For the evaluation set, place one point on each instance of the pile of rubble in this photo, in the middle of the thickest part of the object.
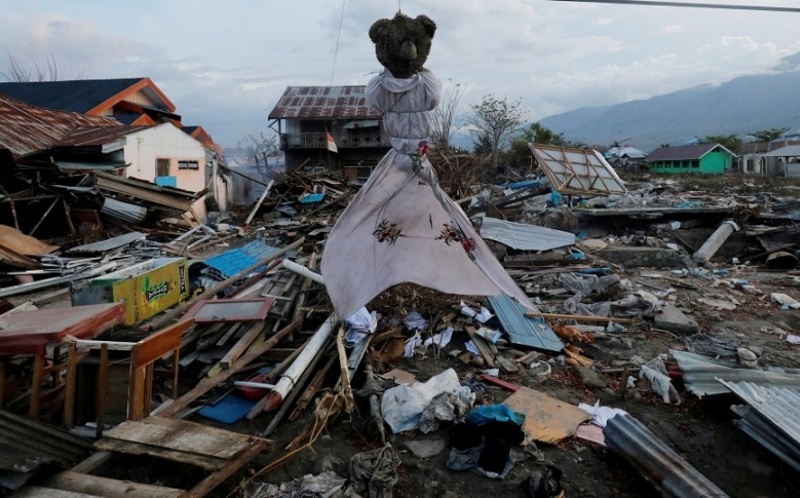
(193, 340)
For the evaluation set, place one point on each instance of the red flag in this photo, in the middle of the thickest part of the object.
(331, 144)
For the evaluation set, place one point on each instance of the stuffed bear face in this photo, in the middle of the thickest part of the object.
(402, 44)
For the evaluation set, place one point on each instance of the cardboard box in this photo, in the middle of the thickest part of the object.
(146, 288)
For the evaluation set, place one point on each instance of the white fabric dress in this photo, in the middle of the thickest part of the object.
(401, 227)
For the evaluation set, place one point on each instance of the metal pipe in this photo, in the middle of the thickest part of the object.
(302, 270)
(656, 461)
(292, 374)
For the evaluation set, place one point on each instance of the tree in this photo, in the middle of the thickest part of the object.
(769, 135)
(19, 72)
(494, 120)
(443, 125)
(519, 153)
(730, 142)
(260, 147)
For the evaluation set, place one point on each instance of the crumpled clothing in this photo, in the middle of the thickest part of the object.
(494, 413)
(460, 460)
(376, 471)
(447, 407)
(325, 485)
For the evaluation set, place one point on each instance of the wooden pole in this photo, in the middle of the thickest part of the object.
(579, 318)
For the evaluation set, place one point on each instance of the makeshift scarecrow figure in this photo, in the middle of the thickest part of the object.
(401, 227)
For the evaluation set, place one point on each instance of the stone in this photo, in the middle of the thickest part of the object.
(674, 320)
(425, 448)
(589, 377)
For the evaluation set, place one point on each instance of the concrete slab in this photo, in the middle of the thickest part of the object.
(674, 320)
(643, 257)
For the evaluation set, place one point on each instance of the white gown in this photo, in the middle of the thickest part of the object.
(401, 227)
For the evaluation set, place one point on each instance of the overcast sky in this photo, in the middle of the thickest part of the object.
(225, 63)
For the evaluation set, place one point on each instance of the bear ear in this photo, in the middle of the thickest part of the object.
(428, 24)
(377, 29)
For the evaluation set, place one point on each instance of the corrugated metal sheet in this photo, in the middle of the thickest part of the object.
(656, 461)
(68, 166)
(26, 444)
(778, 408)
(524, 237)
(26, 129)
(323, 102)
(577, 169)
(132, 213)
(700, 374)
(790, 151)
(109, 244)
(88, 136)
(523, 330)
(233, 261)
(760, 429)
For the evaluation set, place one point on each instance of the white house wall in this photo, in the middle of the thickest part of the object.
(165, 141)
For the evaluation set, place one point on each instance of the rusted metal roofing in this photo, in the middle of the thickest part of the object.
(660, 464)
(323, 102)
(97, 135)
(26, 129)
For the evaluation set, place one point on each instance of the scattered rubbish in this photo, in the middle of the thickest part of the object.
(785, 301)
(544, 483)
(547, 419)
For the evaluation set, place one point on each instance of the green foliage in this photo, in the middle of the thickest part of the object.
(493, 121)
(730, 142)
(769, 135)
(519, 152)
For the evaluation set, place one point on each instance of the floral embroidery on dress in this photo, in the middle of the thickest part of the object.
(453, 234)
(420, 156)
(387, 232)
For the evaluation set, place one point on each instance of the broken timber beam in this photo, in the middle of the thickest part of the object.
(206, 385)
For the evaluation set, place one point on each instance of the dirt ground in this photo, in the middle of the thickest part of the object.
(701, 431)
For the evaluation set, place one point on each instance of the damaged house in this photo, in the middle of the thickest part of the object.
(310, 117)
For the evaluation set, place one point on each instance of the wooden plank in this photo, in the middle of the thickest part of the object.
(207, 384)
(102, 391)
(36, 387)
(157, 345)
(227, 335)
(580, 318)
(209, 483)
(69, 390)
(92, 462)
(180, 435)
(109, 488)
(119, 446)
(42, 492)
(242, 344)
(481, 345)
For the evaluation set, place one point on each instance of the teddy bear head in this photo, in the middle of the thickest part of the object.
(402, 44)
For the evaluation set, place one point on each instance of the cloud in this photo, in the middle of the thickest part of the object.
(672, 29)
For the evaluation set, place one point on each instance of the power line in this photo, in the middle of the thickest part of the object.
(696, 5)
(339, 35)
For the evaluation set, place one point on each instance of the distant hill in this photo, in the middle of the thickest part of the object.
(740, 106)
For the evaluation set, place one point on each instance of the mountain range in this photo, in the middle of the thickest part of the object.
(737, 107)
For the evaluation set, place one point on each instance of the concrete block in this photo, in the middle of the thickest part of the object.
(674, 320)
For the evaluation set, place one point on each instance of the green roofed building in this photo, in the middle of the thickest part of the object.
(709, 159)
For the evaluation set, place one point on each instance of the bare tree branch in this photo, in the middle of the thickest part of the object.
(443, 125)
